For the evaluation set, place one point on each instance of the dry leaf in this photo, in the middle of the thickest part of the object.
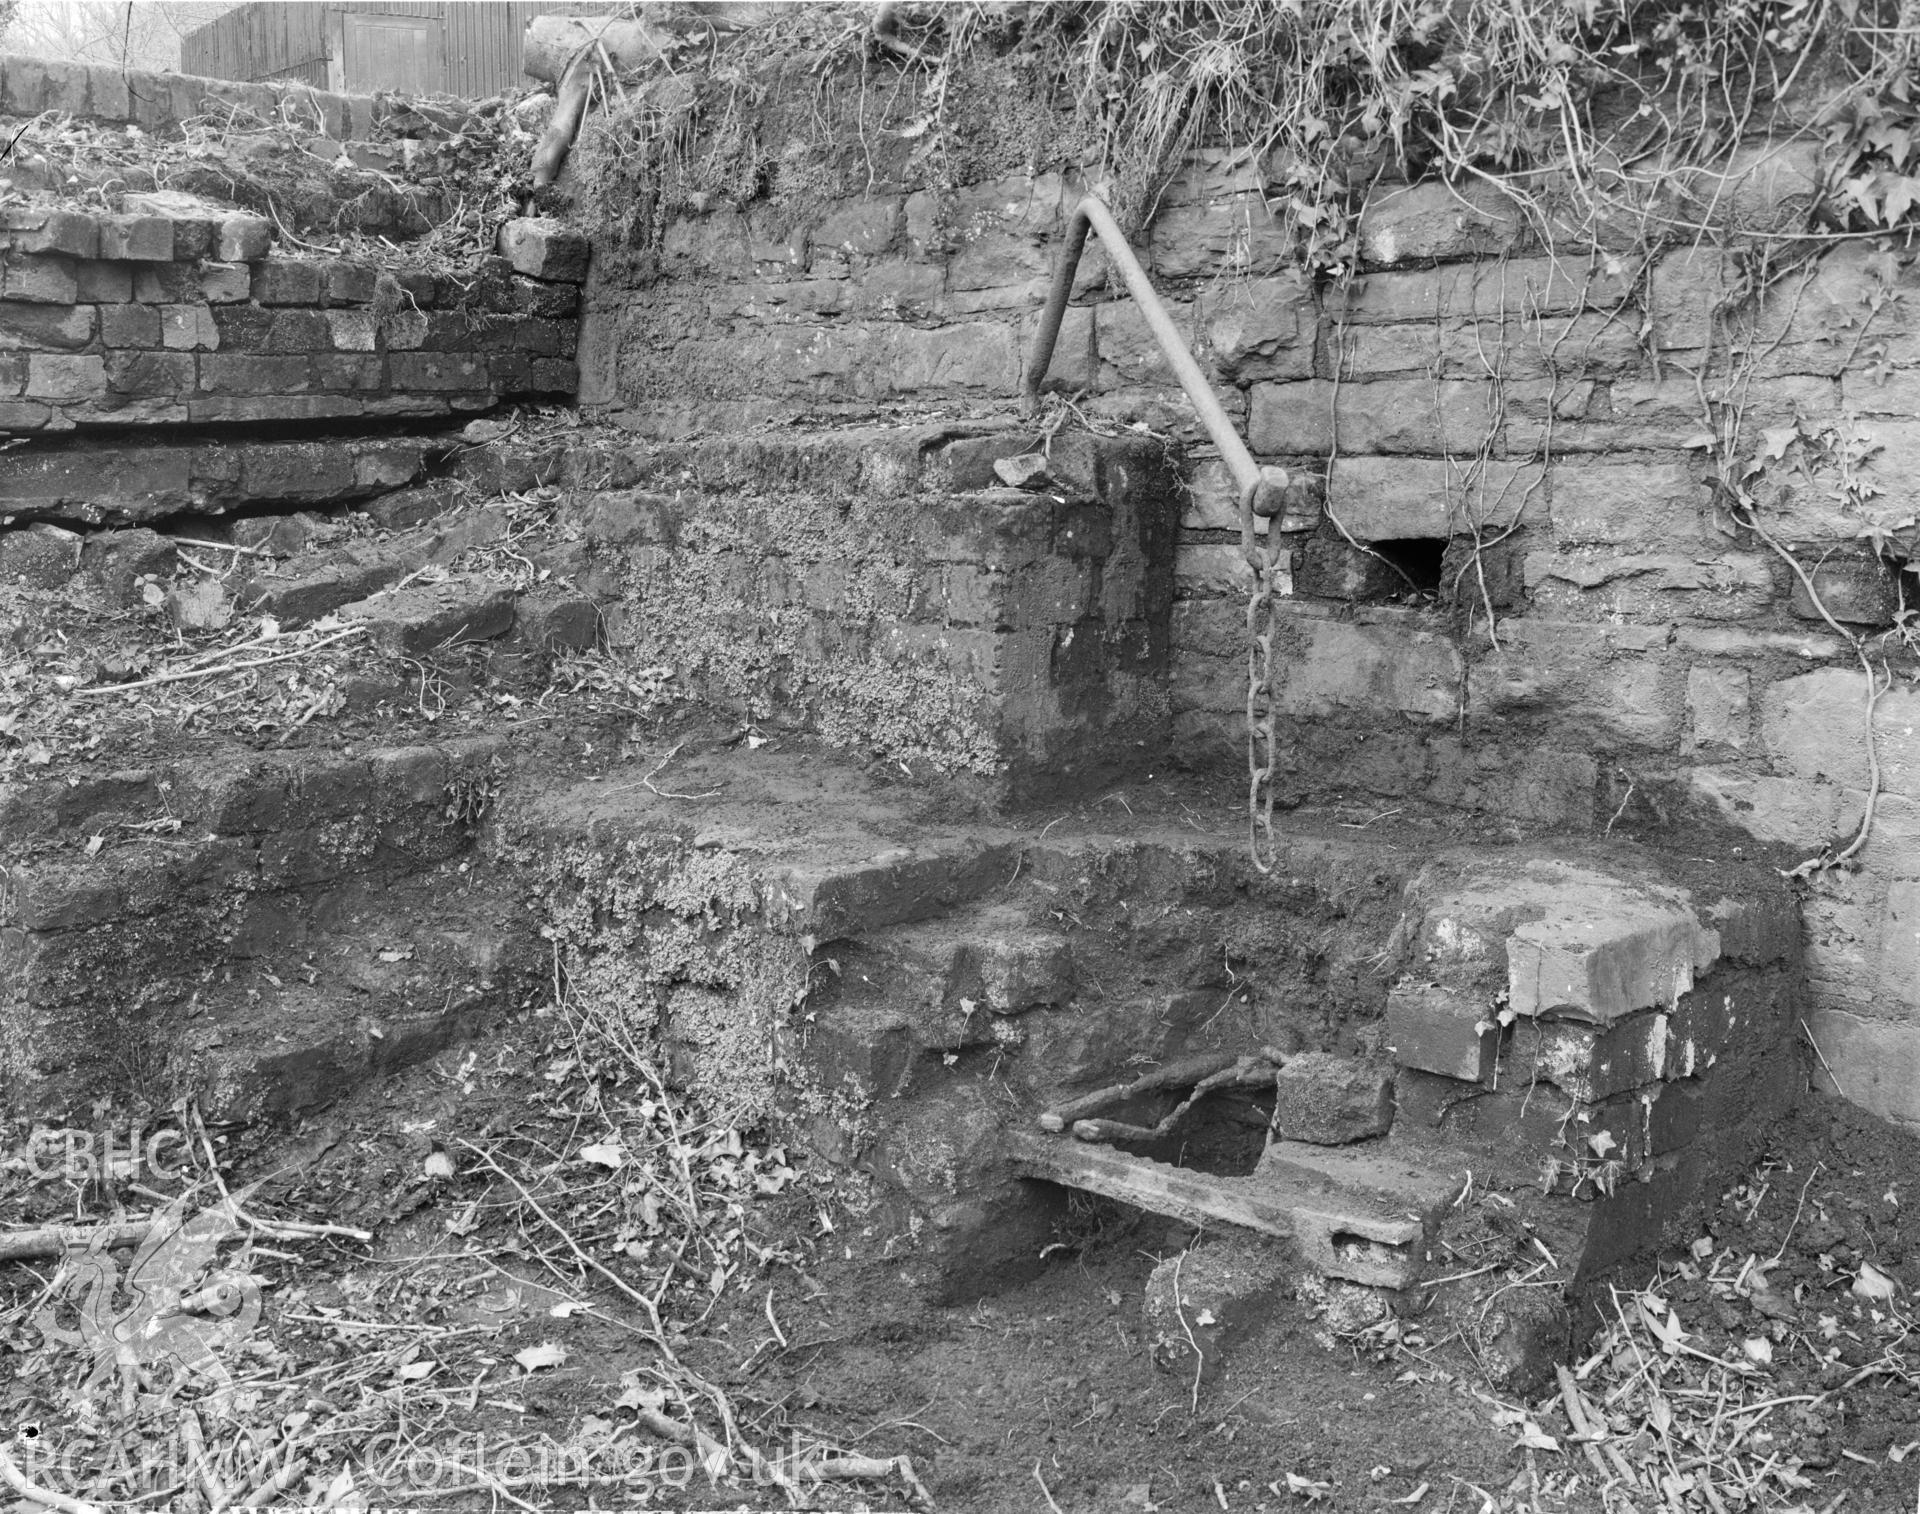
(609, 1154)
(1759, 1349)
(439, 1165)
(546, 1354)
(1872, 1283)
(414, 1371)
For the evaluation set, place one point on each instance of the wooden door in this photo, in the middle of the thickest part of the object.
(404, 53)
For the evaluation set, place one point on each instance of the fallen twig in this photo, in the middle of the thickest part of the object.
(57, 1240)
(218, 668)
(14, 1478)
(875, 1469)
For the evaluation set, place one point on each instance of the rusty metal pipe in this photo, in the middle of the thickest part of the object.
(1259, 486)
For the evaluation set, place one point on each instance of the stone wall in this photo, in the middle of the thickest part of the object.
(174, 312)
(157, 102)
(886, 589)
(1523, 593)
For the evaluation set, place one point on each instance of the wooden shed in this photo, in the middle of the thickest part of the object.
(469, 48)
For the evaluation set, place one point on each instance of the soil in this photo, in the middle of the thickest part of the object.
(1046, 1396)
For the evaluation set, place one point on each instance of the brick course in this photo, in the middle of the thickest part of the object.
(170, 320)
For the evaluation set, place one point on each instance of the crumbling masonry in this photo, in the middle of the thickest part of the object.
(949, 832)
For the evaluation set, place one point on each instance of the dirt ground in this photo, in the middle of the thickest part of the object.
(568, 1267)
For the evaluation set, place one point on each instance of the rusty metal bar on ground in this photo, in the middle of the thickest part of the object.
(1092, 214)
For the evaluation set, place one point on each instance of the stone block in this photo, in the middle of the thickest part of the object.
(286, 281)
(1432, 223)
(1259, 330)
(202, 606)
(623, 516)
(552, 375)
(40, 280)
(1234, 234)
(1478, 290)
(23, 86)
(349, 283)
(553, 620)
(118, 560)
(1329, 567)
(1211, 569)
(406, 508)
(419, 621)
(42, 328)
(1433, 1028)
(294, 601)
(1854, 588)
(1396, 499)
(165, 283)
(243, 239)
(1330, 1100)
(1814, 726)
(1899, 964)
(437, 371)
(352, 330)
(1329, 666)
(1688, 290)
(1602, 954)
(24, 415)
(1445, 418)
(1874, 1062)
(1211, 1297)
(103, 283)
(194, 238)
(542, 247)
(1622, 585)
(151, 375)
(225, 283)
(547, 301)
(234, 374)
(1719, 708)
(1622, 504)
(129, 325)
(296, 471)
(1292, 418)
(188, 328)
(1590, 1062)
(70, 233)
(65, 378)
(43, 556)
(136, 239)
(299, 331)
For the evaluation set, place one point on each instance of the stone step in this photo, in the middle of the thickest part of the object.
(310, 584)
(266, 1002)
(402, 971)
(227, 791)
(135, 483)
(1363, 1218)
(833, 851)
(428, 618)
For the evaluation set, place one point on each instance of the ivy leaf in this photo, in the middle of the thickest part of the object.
(1777, 439)
(1902, 194)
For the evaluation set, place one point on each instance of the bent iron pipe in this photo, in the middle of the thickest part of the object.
(1259, 487)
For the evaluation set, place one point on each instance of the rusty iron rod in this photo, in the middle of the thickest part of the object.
(1092, 214)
